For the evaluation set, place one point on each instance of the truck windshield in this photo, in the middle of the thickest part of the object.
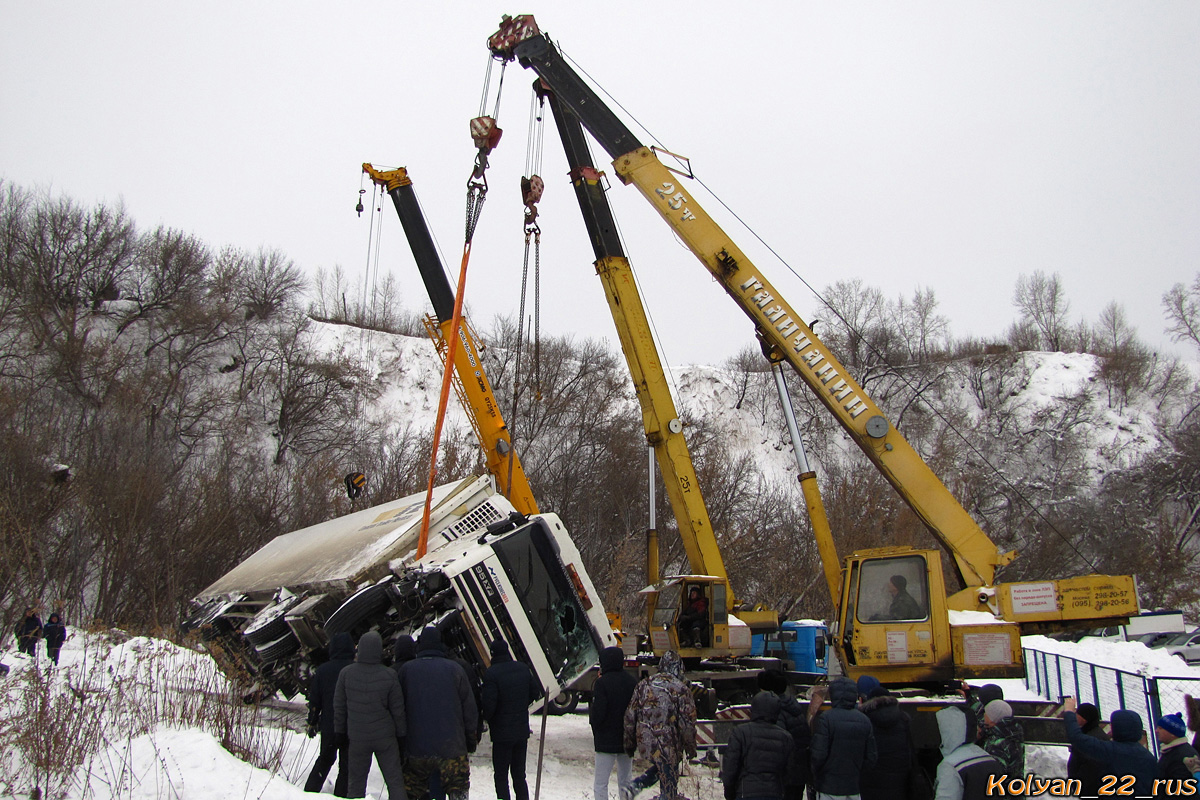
(549, 600)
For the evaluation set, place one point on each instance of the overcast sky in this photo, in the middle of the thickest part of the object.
(949, 145)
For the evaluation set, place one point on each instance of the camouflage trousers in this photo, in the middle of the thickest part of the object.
(455, 774)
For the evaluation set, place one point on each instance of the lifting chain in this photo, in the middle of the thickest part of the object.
(486, 135)
(532, 187)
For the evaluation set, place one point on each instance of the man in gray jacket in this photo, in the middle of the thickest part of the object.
(368, 706)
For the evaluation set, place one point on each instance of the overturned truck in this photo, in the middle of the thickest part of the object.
(489, 573)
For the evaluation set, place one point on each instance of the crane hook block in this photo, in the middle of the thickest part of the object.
(485, 133)
(531, 190)
(513, 31)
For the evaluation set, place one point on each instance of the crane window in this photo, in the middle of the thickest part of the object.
(893, 589)
(667, 606)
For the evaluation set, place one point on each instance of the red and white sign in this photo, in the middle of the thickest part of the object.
(986, 648)
(1033, 598)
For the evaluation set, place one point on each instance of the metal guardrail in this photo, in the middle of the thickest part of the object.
(1053, 675)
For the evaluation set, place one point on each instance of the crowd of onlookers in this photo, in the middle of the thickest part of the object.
(422, 716)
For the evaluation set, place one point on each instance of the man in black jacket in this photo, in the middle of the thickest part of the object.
(1088, 771)
(320, 717)
(837, 770)
(509, 688)
(29, 630)
(889, 778)
(793, 718)
(442, 719)
(55, 632)
(1124, 755)
(606, 713)
(755, 761)
(369, 709)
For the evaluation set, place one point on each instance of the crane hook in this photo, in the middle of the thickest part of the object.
(359, 207)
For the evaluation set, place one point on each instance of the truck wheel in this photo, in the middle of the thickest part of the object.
(564, 703)
(269, 632)
(360, 605)
(273, 651)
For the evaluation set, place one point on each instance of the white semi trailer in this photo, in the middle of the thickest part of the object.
(490, 573)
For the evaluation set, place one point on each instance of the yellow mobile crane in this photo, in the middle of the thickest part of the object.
(474, 390)
(894, 613)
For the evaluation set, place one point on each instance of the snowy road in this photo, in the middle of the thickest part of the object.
(566, 768)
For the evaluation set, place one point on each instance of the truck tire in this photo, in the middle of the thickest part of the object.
(273, 651)
(360, 605)
(564, 703)
(269, 632)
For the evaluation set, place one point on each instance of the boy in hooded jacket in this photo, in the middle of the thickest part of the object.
(611, 694)
(55, 631)
(965, 769)
(368, 708)
(755, 761)
(320, 717)
(509, 688)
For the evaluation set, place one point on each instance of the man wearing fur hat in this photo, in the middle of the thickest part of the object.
(1170, 730)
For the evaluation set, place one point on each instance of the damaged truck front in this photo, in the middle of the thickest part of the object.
(490, 573)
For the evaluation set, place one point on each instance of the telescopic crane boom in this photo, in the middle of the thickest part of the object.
(664, 432)
(475, 391)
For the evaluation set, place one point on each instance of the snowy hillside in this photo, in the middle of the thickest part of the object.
(745, 409)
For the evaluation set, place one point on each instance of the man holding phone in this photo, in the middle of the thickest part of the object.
(1124, 757)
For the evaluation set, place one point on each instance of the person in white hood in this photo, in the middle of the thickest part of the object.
(966, 767)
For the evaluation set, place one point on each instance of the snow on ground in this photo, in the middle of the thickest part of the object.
(1128, 656)
(173, 760)
(138, 758)
(186, 762)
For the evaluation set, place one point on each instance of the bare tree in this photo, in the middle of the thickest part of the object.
(314, 398)
(858, 315)
(924, 333)
(1125, 361)
(1182, 305)
(745, 365)
(1042, 301)
(267, 281)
